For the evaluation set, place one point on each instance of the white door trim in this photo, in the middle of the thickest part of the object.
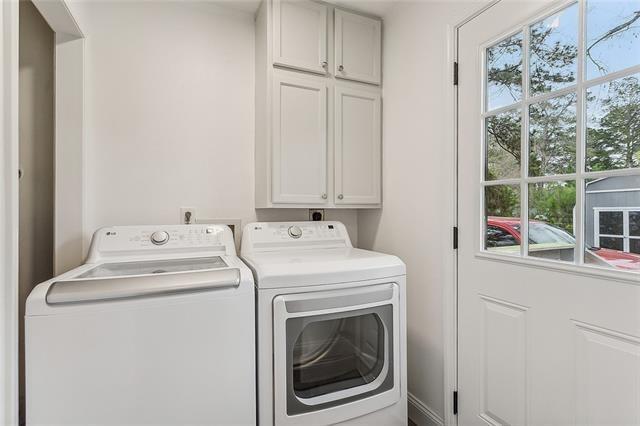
(450, 290)
(69, 233)
(9, 214)
(69, 138)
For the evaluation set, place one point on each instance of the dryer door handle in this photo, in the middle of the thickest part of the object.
(101, 289)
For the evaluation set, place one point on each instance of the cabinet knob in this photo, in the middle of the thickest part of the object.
(340, 196)
(340, 68)
(324, 196)
(324, 64)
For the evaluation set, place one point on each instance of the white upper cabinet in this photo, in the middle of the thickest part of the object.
(299, 169)
(358, 47)
(317, 133)
(357, 146)
(300, 35)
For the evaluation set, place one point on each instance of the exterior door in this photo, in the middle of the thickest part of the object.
(300, 35)
(299, 140)
(357, 146)
(357, 47)
(548, 325)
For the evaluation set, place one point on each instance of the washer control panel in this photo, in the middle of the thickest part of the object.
(270, 235)
(162, 238)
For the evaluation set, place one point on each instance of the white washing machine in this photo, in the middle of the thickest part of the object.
(156, 328)
(331, 327)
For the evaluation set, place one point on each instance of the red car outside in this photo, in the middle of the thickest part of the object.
(504, 232)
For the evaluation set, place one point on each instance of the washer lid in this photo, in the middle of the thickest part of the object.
(297, 268)
(159, 266)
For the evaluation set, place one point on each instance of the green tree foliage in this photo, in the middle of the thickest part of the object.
(553, 202)
(502, 200)
(613, 134)
(552, 62)
(552, 136)
(503, 146)
(504, 66)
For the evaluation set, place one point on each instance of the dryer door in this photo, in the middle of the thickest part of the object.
(336, 353)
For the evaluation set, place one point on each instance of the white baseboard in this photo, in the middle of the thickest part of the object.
(422, 415)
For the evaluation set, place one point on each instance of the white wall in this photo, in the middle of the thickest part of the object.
(415, 220)
(170, 113)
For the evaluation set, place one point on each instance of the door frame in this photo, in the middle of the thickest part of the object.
(450, 290)
(69, 235)
(68, 140)
(9, 214)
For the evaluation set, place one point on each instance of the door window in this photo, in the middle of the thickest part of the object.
(561, 136)
(338, 354)
(333, 359)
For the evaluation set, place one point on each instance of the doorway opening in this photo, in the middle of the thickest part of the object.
(36, 161)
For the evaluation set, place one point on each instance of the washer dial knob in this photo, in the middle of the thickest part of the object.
(159, 238)
(295, 231)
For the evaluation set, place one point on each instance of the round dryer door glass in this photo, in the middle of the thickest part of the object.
(338, 354)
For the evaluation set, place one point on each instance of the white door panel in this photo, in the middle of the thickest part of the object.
(597, 402)
(503, 361)
(358, 43)
(537, 344)
(357, 146)
(299, 140)
(300, 35)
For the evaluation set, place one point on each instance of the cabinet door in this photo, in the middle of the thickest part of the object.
(358, 46)
(357, 147)
(299, 169)
(300, 35)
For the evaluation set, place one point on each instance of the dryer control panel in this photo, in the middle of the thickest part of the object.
(271, 236)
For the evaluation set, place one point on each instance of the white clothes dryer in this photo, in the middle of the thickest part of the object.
(156, 328)
(331, 327)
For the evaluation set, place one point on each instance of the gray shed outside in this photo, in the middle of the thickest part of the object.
(618, 191)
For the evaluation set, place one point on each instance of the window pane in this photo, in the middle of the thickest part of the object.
(551, 220)
(502, 218)
(552, 136)
(504, 72)
(613, 124)
(634, 246)
(634, 222)
(503, 146)
(613, 36)
(553, 51)
(616, 194)
(611, 223)
(612, 243)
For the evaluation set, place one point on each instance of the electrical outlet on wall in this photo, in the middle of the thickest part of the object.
(316, 214)
(187, 215)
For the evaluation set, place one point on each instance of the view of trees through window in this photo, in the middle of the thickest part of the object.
(579, 97)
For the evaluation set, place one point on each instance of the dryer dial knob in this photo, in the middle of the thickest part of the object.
(295, 231)
(159, 238)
